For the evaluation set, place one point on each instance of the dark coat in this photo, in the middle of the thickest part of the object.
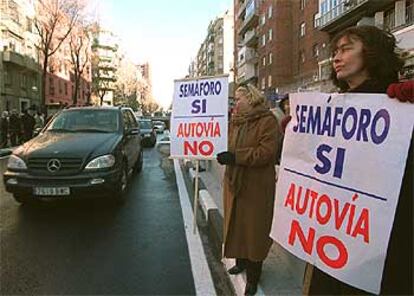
(398, 270)
(15, 123)
(4, 125)
(248, 209)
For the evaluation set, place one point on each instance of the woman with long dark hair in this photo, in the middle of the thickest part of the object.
(367, 60)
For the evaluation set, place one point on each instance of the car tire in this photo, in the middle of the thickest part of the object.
(119, 194)
(140, 163)
(21, 199)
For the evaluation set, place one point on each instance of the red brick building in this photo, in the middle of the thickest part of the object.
(60, 90)
(283, 44)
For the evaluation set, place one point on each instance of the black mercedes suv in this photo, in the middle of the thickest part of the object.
(85, 151)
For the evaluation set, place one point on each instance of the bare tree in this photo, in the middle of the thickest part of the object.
(54, 22)
(126, 85)
(79, 55)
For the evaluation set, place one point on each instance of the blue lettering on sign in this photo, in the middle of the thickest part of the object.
(322, 154)
(198, 89)
(350, 123)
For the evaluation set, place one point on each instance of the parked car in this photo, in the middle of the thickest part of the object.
(89, 150)
(148, 134)
(159, 126)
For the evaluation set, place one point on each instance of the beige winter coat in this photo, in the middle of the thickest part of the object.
(249, 185)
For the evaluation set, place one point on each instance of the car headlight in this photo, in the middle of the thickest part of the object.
(16, 163)
(101, 162)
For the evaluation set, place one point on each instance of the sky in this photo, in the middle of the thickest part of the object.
(166, 33)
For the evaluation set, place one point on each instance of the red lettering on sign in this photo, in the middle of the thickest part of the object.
(296, 230)
(204, 148)
(342, 251)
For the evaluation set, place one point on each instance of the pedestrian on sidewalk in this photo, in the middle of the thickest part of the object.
(28, 123)
(366, 60)
(249, 184)
(39, 120)
(4, 129)
(14, 127)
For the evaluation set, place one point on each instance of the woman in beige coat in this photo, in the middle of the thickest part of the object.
(249, 184)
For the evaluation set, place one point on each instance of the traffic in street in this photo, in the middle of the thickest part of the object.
(97, 246)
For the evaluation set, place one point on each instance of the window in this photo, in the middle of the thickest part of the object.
(263, 83)
(60, 87)
(302, 4)
(270, 58)
(262, 20)
(315, 20)
(7, 78)
(315, 50)
(270, 35)
(264, 61)
(302, 29)
(51, 87)
(302, 56)
(269, 12)
(66, 88)
(29, 26)
(269, 81)
(264, 40)
(23, 81)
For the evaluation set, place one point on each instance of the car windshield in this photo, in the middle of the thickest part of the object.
(145, 124)
(88, 120)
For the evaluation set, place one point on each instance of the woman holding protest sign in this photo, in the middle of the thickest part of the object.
(249, 184)
(366, 60)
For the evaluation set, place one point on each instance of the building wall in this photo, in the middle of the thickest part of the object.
(228, 45)
(19, 56)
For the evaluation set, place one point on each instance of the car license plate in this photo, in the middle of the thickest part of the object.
(52, 191)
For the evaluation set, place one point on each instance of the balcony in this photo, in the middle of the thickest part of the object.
(242, 9)
(391, 24)
(251, 18)
(348, 13)
(247, 55)
(246, 73)
(250, 38)
(20, 60)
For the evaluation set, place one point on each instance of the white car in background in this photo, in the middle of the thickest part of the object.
(159, 126)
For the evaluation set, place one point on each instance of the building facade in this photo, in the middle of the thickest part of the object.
(215, 55)
(396, 16)
(19, 56)
(105, 61)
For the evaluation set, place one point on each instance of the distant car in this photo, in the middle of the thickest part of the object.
(148, 134)
(81, 152)
(159, 126)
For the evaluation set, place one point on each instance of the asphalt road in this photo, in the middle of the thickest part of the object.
(95, 247)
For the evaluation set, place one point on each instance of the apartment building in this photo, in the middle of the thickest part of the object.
(246, 40)
(215, 55)
(19, 56)
(105, 61)
(396, 16)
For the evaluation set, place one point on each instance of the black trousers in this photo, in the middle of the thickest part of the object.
(253, 269)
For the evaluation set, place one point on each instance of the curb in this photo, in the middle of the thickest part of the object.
(214, 221)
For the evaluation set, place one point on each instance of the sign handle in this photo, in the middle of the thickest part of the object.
(196, 197)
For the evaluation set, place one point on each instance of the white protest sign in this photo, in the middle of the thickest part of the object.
(342, 166)
(199, 118)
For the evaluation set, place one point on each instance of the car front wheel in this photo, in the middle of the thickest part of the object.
(140, 162)
(119, 193)
(20, 198)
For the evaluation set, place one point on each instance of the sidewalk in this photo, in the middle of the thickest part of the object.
(282, 272)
